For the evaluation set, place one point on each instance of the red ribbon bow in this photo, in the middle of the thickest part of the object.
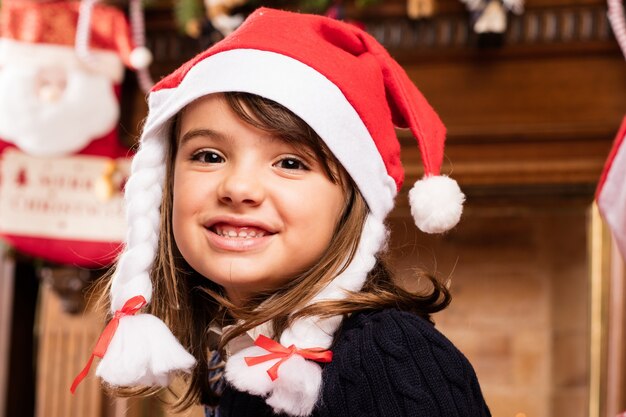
(279, 351)
(131, 307)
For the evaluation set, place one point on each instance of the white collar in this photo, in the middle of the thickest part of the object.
(242, 341)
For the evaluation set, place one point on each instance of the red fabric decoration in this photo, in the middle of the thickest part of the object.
(279, 351)
(611, 191)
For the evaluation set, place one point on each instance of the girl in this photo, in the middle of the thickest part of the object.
(256, 205)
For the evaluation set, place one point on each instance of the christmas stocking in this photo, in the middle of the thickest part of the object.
(61, 165)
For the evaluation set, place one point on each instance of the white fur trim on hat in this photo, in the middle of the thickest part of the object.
(298, 385)
(17, 53)
(436, 203)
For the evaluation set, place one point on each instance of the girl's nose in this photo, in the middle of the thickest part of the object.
(241, 186)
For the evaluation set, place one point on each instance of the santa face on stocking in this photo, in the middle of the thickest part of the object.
(52, 110)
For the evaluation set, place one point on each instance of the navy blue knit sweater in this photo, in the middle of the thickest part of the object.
(385, 364)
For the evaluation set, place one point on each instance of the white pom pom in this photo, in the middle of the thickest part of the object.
(436, 203)
(297, 387)
(140, 57)
(253, 379)
(294, 392)
(143, 351)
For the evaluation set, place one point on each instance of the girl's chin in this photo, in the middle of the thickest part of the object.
(239, 294)
(244, 279)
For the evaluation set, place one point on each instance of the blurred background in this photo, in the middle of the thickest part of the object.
(532, 94)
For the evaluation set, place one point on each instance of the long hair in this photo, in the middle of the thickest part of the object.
(189, 303)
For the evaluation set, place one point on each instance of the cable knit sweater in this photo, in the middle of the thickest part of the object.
(385, 363)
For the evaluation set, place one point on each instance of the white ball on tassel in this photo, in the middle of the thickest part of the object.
(143, 351)
(140, 57)
(436, 203)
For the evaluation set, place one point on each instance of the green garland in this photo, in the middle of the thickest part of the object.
(190, 11)
(311, 6)
(186, 11)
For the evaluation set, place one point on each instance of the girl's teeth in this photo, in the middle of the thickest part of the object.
(243, 234)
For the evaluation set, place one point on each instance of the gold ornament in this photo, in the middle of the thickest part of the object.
(104, 187)
(417, 9)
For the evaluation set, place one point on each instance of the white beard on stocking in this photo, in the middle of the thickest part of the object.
(53, 111)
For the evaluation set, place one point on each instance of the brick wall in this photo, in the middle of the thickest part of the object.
(520, 309)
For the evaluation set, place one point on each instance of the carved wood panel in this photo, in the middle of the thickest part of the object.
(7, 277)
(65, 343)
(543, 29)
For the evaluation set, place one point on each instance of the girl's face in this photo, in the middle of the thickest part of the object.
(250, 211)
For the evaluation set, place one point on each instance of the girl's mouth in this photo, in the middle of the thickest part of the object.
(227, 237)
(238, 232)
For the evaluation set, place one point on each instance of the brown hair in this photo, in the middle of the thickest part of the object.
(188, 302)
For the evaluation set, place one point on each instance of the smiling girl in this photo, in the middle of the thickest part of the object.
(254, 262)
(239, 212)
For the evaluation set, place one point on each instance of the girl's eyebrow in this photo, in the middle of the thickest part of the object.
(202, 132)
(217, 135)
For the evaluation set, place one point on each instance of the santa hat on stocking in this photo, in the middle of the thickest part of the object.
(343, 84)
(100, 31)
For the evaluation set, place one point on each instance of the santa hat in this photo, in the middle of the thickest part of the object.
(36, 32)
(343, 84)
(618, 22)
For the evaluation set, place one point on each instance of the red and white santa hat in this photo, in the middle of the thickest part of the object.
(39, 32)
(345, 85)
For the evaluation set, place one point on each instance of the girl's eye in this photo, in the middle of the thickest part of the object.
(291, 163)
(208, 157)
